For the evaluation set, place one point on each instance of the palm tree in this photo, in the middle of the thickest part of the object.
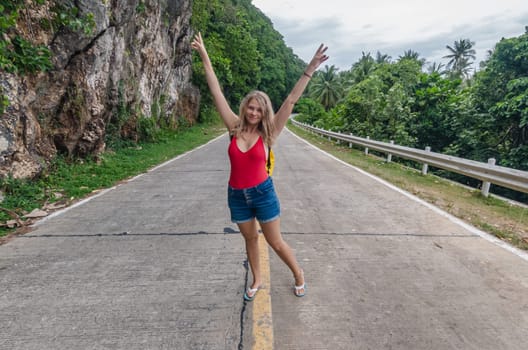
(412, 55)
(436, 68)
(459, 57)
(326, 87)
(363, 67)
(489, 53)
(382, 58)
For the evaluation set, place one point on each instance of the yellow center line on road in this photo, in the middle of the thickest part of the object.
(262, 321)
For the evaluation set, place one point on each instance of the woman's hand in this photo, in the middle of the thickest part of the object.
(318, 58)
(199, 45)
(228, 116)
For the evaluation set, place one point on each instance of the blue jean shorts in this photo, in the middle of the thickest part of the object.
(259, 202)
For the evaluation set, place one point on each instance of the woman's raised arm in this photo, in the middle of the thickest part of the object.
(284, 112)
(228, 116)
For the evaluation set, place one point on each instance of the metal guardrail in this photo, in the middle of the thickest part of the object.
(487, 172)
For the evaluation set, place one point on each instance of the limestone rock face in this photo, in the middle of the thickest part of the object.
(136, 63)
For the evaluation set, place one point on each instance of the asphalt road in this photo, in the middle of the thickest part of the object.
(156, 264)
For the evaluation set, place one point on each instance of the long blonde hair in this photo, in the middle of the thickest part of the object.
(266, 126)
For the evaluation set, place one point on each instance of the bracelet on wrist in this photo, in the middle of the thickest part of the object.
(308, 75)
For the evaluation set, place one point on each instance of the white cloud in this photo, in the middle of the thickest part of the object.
(392, 27)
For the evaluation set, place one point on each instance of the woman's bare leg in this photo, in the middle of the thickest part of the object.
(250, 234)
(273, 236)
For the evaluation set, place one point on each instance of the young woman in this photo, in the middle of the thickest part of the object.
(251, 194)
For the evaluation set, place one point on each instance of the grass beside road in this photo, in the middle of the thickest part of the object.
(65, 182)
(492, 215)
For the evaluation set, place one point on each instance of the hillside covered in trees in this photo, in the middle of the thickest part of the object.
(246, 51)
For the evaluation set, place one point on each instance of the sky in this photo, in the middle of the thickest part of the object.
(350, 27)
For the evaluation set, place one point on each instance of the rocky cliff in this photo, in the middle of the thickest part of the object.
(136, 59)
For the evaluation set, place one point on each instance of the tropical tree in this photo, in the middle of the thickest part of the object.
(382, 58)
(309, 111)
(437, 104)
(405, 72)
(460, 57)
(501, 97)
(326, 87)
(412, 55)
(436, 68)
(363, 67)
(399, 117)
(360, 112)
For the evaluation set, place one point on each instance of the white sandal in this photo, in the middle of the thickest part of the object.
(252, 292)
(298, 289)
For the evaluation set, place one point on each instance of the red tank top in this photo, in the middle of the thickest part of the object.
(248, 169)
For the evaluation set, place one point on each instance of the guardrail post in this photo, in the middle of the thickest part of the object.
(425, 165)
(389, 156)
(366, 148)
(350, 143)
(486, 184)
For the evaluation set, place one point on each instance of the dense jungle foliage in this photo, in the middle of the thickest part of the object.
(474, 116)
(246, 51)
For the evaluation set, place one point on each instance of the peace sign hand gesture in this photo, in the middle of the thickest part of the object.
(318, 58)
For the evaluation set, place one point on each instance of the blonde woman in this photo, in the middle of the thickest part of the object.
(251, 194)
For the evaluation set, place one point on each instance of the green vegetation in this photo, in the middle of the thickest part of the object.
(474, 116)
(67, 181)
(246, 51)
(18, 53)
(497, 217)
(460, 57)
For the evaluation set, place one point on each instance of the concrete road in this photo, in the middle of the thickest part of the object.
(156, 264)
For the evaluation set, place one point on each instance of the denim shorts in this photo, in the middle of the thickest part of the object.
(259, 202)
